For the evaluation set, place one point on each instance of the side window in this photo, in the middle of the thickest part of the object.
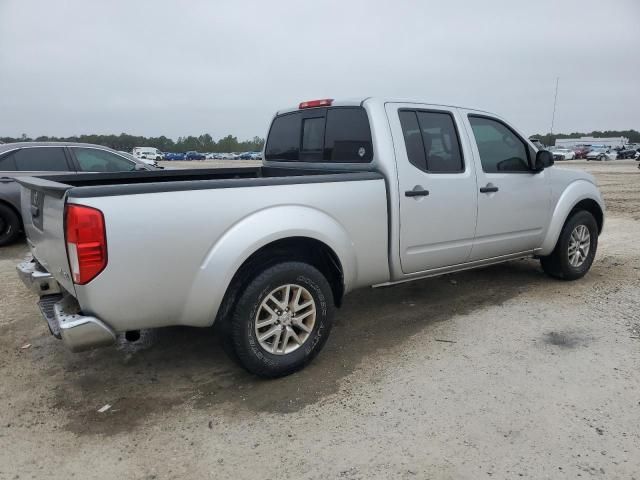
(44, 159)
(431, 141)
(7, 162)
(95, 160)
(501, 150)
(441, 143)
(283, 143)
(348, 136)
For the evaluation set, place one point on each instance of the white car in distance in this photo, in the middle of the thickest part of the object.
(563, 154)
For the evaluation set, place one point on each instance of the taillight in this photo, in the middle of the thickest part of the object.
(86, 242)
(325, 102)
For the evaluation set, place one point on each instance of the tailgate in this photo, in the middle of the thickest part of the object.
(42, 203)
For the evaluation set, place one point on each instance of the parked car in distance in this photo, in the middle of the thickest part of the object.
(627, 152)
(536, 141)
(143, 159)
(601, 153)
(563, 154)
(192, 155)
(50, 158)
(148, 153)
(581, 151)
(352, 194)
(174, 156)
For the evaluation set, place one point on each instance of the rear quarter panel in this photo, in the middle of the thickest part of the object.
(173, 254)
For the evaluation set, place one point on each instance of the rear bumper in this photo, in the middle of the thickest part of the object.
(38, 281)
(62, 311)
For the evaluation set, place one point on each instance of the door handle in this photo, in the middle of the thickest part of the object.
(489, 188)
(417, 191)
(5, 179)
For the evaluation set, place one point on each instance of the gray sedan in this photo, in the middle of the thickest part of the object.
(50, 158)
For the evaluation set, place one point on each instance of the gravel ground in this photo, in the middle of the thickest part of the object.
(493, 373)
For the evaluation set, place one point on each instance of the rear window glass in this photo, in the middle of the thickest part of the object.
(348, 136)
(283, 143)
(338, 134)
(45, 159)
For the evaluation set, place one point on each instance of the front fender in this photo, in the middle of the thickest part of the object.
(248, 235)
(574, 193)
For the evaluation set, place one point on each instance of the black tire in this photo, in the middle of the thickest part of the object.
(241, 331)
(9, 225)
(557, 264)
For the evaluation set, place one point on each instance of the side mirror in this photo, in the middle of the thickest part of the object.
(139, 166)
(544, 159)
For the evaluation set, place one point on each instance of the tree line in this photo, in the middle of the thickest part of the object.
(125, 142)
(550, 139)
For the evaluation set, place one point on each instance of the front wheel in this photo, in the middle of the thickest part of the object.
(575, 249)
(282, 319)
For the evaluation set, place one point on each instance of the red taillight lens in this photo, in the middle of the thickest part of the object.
(86, 242)
(325, 102)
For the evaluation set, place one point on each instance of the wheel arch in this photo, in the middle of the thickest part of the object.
(579, 195)
(304, 249)
(255, 242)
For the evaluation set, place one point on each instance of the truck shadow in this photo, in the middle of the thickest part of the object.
(187, 368)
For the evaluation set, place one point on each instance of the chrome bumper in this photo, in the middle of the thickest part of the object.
(38, 281)
(62, 312)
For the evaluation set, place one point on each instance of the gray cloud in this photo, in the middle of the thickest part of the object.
(187, 67)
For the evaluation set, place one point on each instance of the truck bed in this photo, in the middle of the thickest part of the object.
(177, 238)
(140, 182)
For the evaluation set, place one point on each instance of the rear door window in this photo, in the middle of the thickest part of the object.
(41, 159)
(337, 135)
(96, 160)
(7, 162)
(432, 141)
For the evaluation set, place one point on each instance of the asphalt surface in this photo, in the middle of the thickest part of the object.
(494, 373)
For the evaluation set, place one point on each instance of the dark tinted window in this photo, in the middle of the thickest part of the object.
(312, 139)
(46, 159)
(348, 136)
(413, 139)
(339, 134)
(500, 149)
(431, 141)
(440, 141)
(284, 138)
(7, 162)
(95, 160)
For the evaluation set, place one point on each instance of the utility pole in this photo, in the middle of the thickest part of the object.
(555, 101)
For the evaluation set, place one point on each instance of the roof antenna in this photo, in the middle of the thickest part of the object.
(555, 101)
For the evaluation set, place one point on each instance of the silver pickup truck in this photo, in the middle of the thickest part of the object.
(351, 194)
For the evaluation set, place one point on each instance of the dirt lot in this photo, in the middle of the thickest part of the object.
(494, 373)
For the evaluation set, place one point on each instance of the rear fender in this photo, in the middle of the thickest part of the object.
(250, 234)
(574, 193)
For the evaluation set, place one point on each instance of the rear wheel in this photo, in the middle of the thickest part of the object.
(9, 225)
(282, 319)
(575, 250)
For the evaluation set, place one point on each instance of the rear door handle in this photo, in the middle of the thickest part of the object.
(5, 179)
(417, 191)
(489, 188)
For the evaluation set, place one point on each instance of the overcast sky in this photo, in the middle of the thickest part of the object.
(189, 67)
